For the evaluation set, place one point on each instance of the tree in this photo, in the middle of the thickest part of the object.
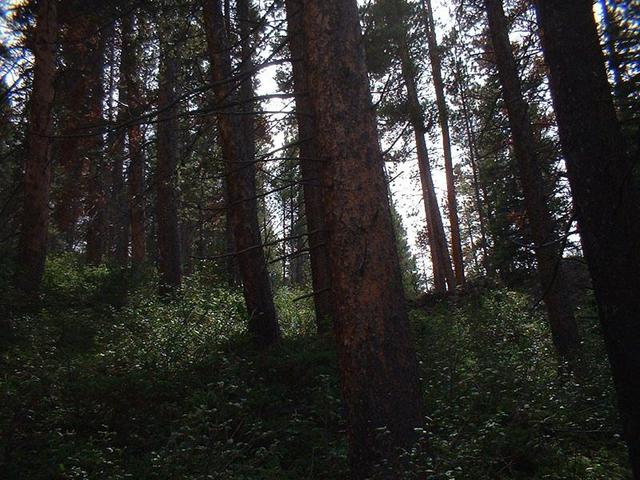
(394, 13)
(310, 169)
(35, 215)
(378, 367)
(135, 177)
(241, 183)
(605, 197)
(169, 262)
(547, 249)
(443, 117)
(96, 194)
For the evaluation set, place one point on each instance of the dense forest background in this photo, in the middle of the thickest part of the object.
(279, 239)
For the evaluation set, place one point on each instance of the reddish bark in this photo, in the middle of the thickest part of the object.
(377, 362)
(443, 117)
(35, 214)
(310, 170)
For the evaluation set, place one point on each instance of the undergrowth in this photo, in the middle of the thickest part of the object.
(94, 387)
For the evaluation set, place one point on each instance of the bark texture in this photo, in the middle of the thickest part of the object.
(310, 169)
(241, 184)
(605, 197)
(377, 362)
(443, 118)
(564, 329)
(35, 215)
(169, 258)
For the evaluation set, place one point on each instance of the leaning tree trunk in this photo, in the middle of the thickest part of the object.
(605, 195)
(564, 329)
(442, 270)
(169, 261)
(377, 363)
(443, 117)
(241, 184)
(35, 215)
(310, 170)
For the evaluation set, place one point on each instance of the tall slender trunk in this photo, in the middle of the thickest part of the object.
(310, 169)
(35, 214)
(605, 196)
(96, 201)
(241, 183)
(564, 329)
(75, 85)
(377, 363)
(169, 258)
(135, 173)
(442, 270)
(116, 152)
(473, 159)
(443, 117)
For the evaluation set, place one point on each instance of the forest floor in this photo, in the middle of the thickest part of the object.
(95, 388)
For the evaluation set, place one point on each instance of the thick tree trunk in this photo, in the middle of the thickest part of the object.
(310, 167)
(135, 178)
(35, 214)
(241, 183)
(443, 116)
(605, 197)
(377, 363)
(96, 201)
(442, 270)
(564, 329)
(169, 261)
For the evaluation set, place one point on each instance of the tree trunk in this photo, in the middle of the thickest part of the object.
(169, 261)
(310, 167)
(75, 84)
(564, 329)
(136, 156)
(96, 201)
(443, 116)
(377, 363)
(119, 202)
(35, 222)
(241, 183)
(605, 197)
(442, 270)
(473, 159)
